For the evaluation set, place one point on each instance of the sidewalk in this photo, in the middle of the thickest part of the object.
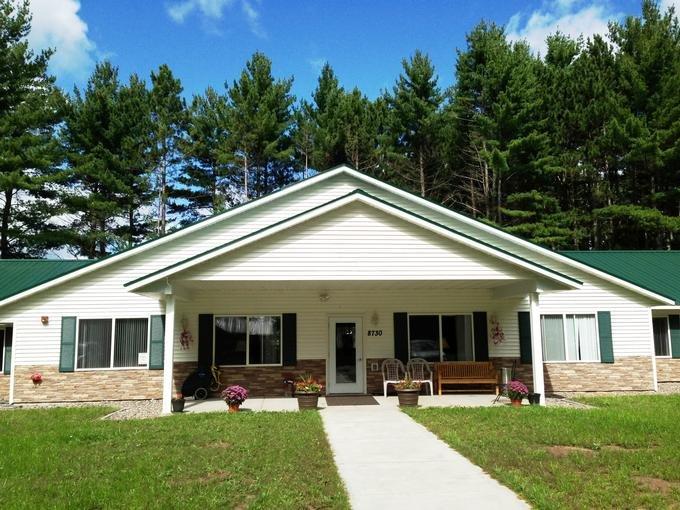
(387, 460)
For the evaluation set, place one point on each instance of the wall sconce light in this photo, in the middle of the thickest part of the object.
(44, 320)
(375, 318)
(323, 297)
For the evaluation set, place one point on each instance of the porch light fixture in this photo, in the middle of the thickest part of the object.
(44, 320)
(323, 297)
(375, 318)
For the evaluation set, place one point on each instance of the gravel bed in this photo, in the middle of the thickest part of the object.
(565, 402)
(125, 409)
(669, 387)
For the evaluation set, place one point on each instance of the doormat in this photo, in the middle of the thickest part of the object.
(351, 400)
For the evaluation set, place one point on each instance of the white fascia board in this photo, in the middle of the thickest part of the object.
(514, 239)
(367, 200)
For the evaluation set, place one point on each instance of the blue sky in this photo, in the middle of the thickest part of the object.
(207, 42)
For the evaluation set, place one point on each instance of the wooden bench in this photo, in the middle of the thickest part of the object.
(466, 372)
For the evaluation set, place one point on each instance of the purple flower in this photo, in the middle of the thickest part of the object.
(235, 395)
(516, 390)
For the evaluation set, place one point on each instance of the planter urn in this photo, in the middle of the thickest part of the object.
(408, 398)
(307, 401)
(234, 408)
(177, 405)
(516, 402)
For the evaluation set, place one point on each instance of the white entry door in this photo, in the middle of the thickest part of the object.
(346, 356)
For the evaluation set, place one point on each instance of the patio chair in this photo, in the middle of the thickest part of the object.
(419, 370)
(393, 371)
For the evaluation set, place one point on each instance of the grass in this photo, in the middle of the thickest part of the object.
(628, 453)
(69, 458)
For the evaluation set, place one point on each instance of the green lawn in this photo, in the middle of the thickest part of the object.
(69, 458)
(628, 453)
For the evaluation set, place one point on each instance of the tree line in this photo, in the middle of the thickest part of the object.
(575, 149)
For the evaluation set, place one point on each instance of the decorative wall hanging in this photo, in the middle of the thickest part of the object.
(185, 337)
(497, 334)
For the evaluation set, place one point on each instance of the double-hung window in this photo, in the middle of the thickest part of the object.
(661, 336)
(113, 343)
(441, 337)
(247, 340)
(570, 337)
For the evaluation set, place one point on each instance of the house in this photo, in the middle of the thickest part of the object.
(328, 276)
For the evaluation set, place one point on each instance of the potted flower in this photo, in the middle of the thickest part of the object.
(234, 396)
(407, 392)
(37, 378)
(516, 392)
(178, 403)
(307, 390)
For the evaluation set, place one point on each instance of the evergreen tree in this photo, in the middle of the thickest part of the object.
(204, 186)
(30, 109)
(324, 115)
(169, 117)
(260, 121)
(413, 126)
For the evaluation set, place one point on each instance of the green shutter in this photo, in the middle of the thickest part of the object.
(604, 326)
(67, 353)
(206, 331)
(674, 323)
(289, 339)
(157, 342)
(524, 323)
(481, 336)
(401, 336)
(7, 369)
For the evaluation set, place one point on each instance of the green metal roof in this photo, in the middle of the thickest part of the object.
(18, 275)
(656, 271)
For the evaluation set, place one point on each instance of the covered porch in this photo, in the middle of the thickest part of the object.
(260, 334)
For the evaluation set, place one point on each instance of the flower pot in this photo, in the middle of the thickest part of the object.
(234, 408)
(177, 405)
(516, 402)
(534, 399)
(307, 401)
(408, 398)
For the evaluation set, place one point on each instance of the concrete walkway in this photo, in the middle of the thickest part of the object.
(389, 461)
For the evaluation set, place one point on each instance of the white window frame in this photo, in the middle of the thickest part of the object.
(113, 343)
(441, 340)
(2, 349)
(248, 316)
(668, 337)
(564, 337)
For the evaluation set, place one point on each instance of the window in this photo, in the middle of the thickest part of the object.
(571, 337)
(2, 349)
(248, 340)
(441, 337)
(661, 336)
(107, 343)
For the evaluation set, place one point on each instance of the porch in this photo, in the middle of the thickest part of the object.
(290, 404)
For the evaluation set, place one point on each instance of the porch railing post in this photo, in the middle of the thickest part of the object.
(168, 352)
(536, 346)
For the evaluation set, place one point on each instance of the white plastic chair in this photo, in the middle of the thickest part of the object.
(393, 371)
(419, 370)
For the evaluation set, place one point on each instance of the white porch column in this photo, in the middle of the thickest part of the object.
(168, 352)
(536, 346)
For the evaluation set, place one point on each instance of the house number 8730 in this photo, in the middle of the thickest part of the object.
(375, 332)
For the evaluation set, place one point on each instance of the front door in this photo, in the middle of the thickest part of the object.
(346, 371)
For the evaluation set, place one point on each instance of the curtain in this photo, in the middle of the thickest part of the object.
(265, 340)
(585, 330)
(131, 339)
(552, 330)
(94, 343)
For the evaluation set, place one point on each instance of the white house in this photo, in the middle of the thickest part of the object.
(328, 276)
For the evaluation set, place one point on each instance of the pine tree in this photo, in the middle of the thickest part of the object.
(30, 109)
(260, 121)
(169, 117)
(96, 186)
(205, 185)
(413, 125)
(325, 118)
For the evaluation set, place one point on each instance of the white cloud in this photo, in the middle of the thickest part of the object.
(665, 4)
(570, 17)
(57, 24)
(213, 10)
